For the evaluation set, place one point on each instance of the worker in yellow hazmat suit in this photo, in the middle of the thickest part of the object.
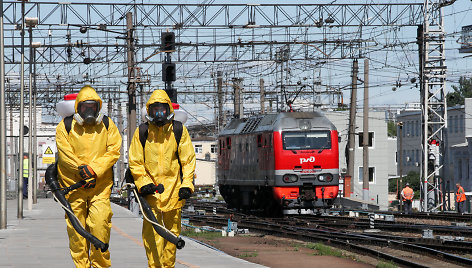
(157, 163)
(88, 145)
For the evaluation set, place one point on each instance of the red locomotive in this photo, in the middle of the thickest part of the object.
(287, 162)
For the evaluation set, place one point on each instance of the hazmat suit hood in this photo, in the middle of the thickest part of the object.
(162, 99)
(159, 96)
(87, 93)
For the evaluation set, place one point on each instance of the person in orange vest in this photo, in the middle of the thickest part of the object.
(407, 197)
(460, 198)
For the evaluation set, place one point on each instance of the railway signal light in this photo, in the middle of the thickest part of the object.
(168, 72)
(167, 41)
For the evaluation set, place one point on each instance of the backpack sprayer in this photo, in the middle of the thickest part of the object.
(149, 215)
(59, 194)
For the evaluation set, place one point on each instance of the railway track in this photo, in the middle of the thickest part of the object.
(332, 231)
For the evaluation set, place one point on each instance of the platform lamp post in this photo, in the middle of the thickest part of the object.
(3, 129)
(30, 23)
(21, 121)
(35, 45)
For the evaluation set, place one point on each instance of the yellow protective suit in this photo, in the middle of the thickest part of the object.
(99, 148)
(158, 163)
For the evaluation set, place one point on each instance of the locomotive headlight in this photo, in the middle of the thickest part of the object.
(325, 177)
(289, 178)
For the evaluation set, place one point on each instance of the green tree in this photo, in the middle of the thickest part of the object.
(391, 129)
(464, 90)
(413, 178)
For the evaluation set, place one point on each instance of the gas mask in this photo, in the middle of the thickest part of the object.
(159, 114)
(88, 113)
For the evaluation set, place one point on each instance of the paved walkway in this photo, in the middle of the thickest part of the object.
(40, 240)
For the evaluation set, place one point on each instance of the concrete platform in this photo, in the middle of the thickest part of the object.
(40, 240)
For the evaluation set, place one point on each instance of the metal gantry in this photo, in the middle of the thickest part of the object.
(227, 35)
(433, 103)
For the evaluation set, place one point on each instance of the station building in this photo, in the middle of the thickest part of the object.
(381, 154)
(458, 153)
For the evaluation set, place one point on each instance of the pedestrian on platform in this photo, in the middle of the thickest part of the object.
(25, 175)
(460, 198)
(407, 197)
(164, 156)
(88, 145)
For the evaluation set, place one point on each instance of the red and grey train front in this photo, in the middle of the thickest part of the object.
(306, 168)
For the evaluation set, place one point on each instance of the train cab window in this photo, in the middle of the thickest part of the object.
(228, 142)
(306, 140)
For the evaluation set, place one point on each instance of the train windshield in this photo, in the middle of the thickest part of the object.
(307, 140)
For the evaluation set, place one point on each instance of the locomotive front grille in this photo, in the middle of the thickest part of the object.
(308, 177)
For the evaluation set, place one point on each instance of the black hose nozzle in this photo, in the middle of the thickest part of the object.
(160, 188)
(180, 244)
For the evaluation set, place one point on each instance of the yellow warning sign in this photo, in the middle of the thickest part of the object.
(48, 151)
(49, 160)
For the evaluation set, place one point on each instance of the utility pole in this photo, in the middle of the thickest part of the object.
(237, 97)
(352, 122)
(109, 105)
(365, 140)
(120, 129)
(261, 84)
(400, 159)
(131, 78)
(219, 86)
(3, 129)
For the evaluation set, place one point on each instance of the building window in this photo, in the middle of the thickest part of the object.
(461, 123)
(371, 174)
(198, 148)
(417, 127)
(456, 124)
(404, 157)
(451, 123)
(213, 149)
(361, 139)
(418, 160)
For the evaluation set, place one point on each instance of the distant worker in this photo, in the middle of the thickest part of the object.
(88, 145)
(407, 197)
(460, 198)
(164, 156)
(25, 175)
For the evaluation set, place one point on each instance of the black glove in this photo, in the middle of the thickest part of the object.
(90, 183)
(150, 188)
(86, 172)
(184, 193)
(160, 188)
